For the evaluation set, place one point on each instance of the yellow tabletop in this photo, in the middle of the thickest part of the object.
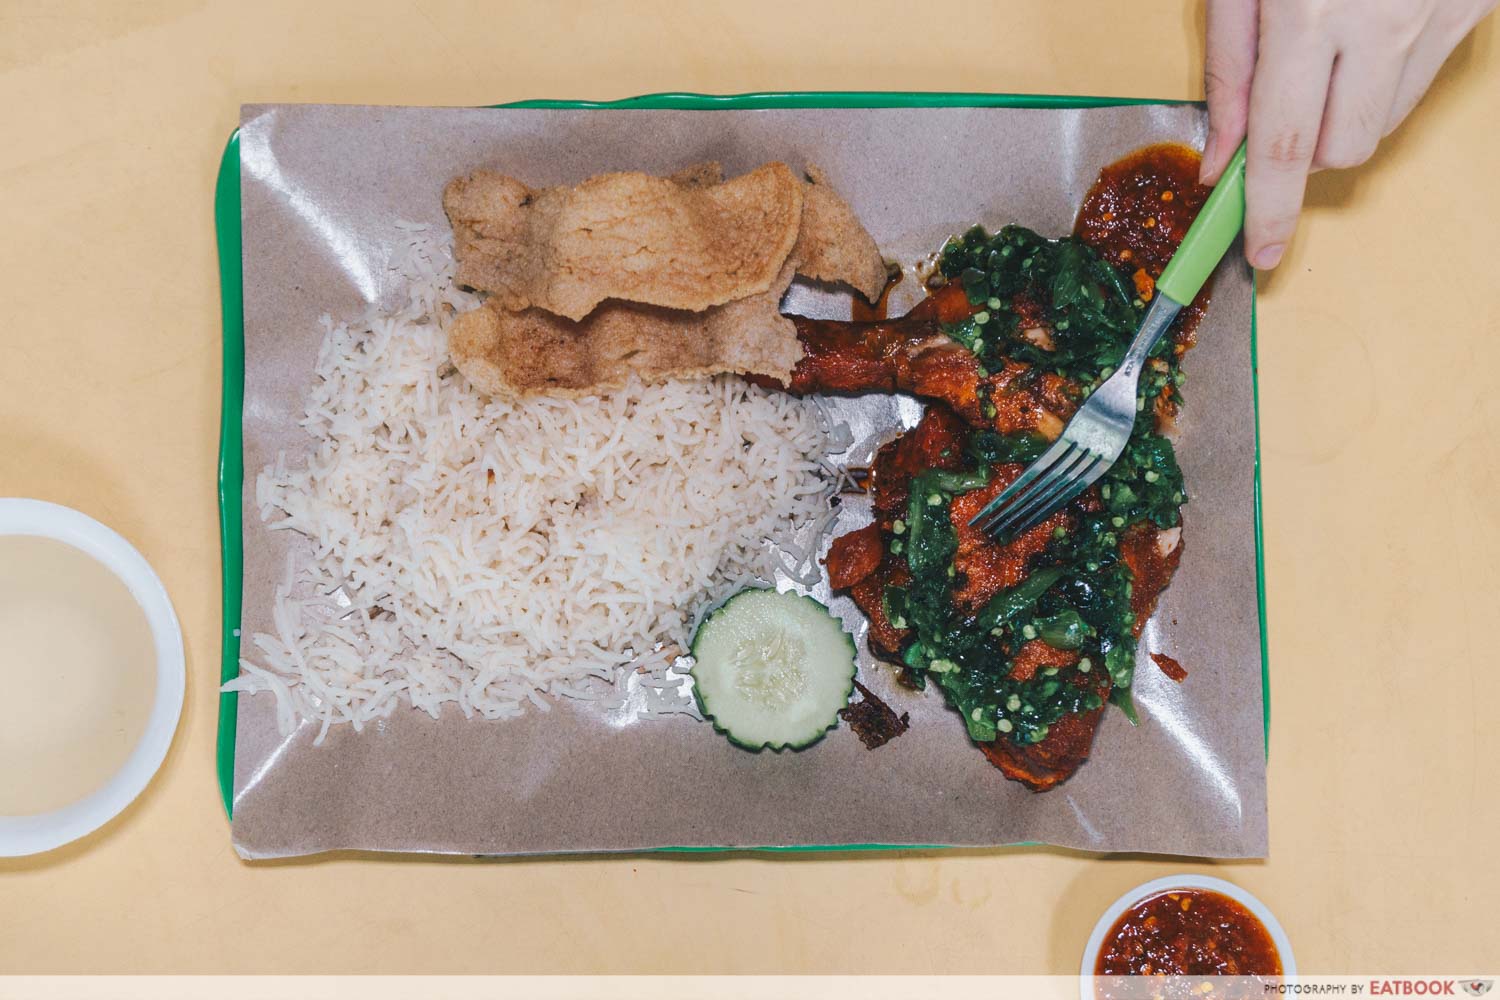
(1379, 337)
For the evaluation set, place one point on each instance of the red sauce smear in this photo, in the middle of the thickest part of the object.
(1188, 932)
(946, 304)
(863, 312)
(1150, 571)
(1170, 667)
(1137, 213)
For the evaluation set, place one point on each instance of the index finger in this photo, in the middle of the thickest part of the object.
(1228, 66)
(1287, 97)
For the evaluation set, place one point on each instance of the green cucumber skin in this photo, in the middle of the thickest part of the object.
(707, 711)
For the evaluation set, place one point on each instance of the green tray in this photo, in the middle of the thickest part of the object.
(231, 460)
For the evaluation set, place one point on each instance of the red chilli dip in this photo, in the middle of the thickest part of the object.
(1188, 932)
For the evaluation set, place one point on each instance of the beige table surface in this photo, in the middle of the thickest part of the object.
(1379, 336)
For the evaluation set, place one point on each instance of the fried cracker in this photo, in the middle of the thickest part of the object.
(533, 352)
(705, 174)
(832, 246)
(628, 236)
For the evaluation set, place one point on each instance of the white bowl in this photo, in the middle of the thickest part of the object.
(1171, 882)
(20, 835)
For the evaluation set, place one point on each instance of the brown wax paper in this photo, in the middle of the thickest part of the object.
(323, 188)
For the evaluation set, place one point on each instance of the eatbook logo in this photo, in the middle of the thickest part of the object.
(1477, 987)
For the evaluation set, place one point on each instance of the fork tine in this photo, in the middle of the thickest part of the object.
(1043, 464)
(1080, 481)
(1023, 502)
(1041, 497)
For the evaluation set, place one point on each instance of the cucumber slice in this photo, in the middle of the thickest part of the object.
(772, 669)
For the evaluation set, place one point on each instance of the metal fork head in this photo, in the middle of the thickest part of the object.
(1089, 445)
(1091, 442)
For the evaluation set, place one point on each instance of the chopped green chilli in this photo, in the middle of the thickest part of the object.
(1076, 596)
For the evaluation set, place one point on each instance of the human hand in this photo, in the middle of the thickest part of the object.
(1318, 83)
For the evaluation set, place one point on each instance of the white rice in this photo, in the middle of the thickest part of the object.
(495, 555)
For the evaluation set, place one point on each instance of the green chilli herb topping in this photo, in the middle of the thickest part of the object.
(1076, 596)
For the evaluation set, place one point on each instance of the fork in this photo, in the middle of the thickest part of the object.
(1096, 436)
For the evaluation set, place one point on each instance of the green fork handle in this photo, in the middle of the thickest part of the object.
(1217, 224)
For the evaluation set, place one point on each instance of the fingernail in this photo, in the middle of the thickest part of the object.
(1210, 145)
(1269, 256)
